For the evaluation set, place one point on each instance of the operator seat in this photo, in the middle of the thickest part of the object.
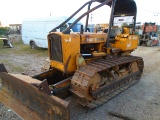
(115, 31)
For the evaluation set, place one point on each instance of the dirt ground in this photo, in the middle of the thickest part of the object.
(140, 102)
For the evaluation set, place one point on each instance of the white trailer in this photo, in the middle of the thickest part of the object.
(35, 31)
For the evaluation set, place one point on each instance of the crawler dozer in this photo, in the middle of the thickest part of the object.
(90, 67)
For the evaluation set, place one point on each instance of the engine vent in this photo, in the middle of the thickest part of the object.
(56, 47)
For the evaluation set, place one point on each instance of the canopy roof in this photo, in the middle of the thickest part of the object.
(127, 7)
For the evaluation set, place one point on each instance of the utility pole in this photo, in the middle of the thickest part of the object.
(91, 18)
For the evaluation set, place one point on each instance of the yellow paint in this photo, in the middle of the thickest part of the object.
(70, 48)
(126, 42)
(126, 30)
(57, 110)
(57, 65)
(88, 38)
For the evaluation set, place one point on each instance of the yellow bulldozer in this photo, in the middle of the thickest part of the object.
(90, 67)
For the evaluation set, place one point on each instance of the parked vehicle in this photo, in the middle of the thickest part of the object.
(148, 35)
(12, 35)
(35, 31)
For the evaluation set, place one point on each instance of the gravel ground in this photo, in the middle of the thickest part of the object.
(139, 102)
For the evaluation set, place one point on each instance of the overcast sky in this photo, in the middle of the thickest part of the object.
(14, 11)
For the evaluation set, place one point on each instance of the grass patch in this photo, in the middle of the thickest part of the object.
(16, 68)
(12, 67)
(20, 48)
(5, 61)
(1, 42)
(25, 64)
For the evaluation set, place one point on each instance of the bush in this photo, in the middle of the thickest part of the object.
(3, 30)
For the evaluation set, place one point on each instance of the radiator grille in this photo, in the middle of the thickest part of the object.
(56, 47)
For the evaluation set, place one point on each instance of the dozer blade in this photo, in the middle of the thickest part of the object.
(21, 94)
(2, 68)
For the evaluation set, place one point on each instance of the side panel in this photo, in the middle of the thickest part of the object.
(25, 33)
(63, 49)
(35, 31)
(88, 38)
(70, 48)
(19, 93)
(126, 42)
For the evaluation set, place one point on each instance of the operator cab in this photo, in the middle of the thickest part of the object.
(122, 20)
(121, 25)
